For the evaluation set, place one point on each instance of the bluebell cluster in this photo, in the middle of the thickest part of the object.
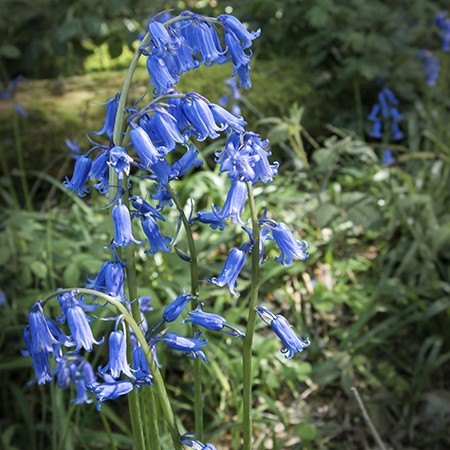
(161, 131)
(443, 23)
(430, 66)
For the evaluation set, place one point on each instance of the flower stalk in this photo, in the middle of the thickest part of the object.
(247, 361)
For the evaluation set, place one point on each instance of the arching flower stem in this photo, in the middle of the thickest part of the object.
(157, 378)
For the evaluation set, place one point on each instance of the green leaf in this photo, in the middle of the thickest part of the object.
(39, 269)
(10, 51)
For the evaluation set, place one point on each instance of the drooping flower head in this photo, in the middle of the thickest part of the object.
(281, 327)
(80, 175)
(290, 247)
(117, 356)
(188, 439)
(123, 234)
(173, 310)
(212, 322)
(190, 346)
(110, 390)
(111, 111)
(232, 268)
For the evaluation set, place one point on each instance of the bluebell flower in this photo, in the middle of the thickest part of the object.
(290, 247)
(39, 359)
(123, 233)
(200, 118)
(100, 171)
(212, 322)
(238, 55)
(74, 311)
(162, 171)
(388, 158)
(110, 279)
(389, 118)
(158, 33)
(377, 132)
(2, 298)
(162, 128)
(226, 119)
(156, 240)
(75, 370)
(111, 111)
(212, 218)
(120, 161)
(281, 327)
(117, 356)
(163, 197)
(190, 346)
(232, 24)
(235, 202)
(186, 162)
(46, 336)
(144, 208)
(206, 42)
(141, 368)
(144, 147)
(189, 440)
(110, 390)
(175, 308)
(431, 66)
(74, 148)
(160, 75)
(144, 304)
(232, 268)
(443, 23)
(244, 158)
(80, 175)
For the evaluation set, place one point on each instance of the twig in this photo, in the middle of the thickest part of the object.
(366, 417)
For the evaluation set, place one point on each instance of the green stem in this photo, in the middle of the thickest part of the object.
(105, 422)
(21, 163)
(118, 124)
(198, 397)
(248, 341)
(158, 381)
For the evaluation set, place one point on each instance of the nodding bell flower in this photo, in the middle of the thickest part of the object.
(43, 372)
(117, 356)
(175, 308)
(231, 270)
(144, 147)
(74, 311)
(111, 111)
(163, 197)
(46, 336)
(110, 390)
(144, 208)
(443, 23)
(186, 162)
(212, 218)
(235, 202)
(188, 440)
(190, 346)
(110, 279)
(141, 368)
(388, 158)
(75, 370)
(281, 327)
(212, 322)
(156, 240)
(120, 161)
(290, 247)
(80, 175)
(123, 233)
(200, 118)
(160, 75)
